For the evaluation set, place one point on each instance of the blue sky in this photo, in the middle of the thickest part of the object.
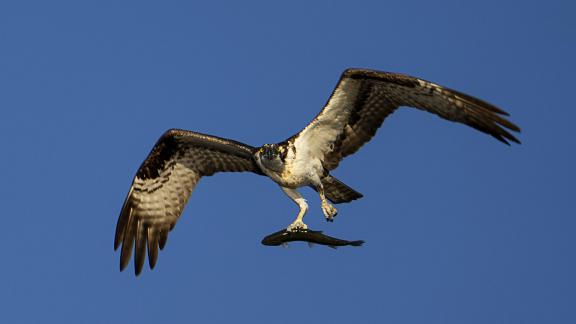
(459, 228)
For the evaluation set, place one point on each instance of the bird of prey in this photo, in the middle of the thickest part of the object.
(357, 107)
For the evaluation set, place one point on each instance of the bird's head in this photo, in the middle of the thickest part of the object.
(270, 151)
(272, 155)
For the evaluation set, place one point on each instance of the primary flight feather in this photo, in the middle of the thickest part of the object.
(356, 109)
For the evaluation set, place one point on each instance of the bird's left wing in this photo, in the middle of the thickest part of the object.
(362, 100)
(163, 184)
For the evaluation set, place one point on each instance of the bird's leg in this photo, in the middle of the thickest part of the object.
(327, 208)
(298, 224)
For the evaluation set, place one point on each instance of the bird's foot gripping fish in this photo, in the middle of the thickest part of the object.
(284, 236)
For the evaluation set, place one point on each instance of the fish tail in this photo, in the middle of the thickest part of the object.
(357, 243)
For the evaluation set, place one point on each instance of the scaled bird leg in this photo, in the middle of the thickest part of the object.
(298, 224)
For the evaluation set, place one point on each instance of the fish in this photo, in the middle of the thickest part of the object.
(282, 237)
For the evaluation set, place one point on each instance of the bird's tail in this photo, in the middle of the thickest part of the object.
(337, 192)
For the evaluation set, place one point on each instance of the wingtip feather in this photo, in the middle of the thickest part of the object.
(163, 238)
(127, 244)
(152, 247)
(140, 253)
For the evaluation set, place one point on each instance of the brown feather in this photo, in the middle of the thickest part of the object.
(152, 246)
(378, 94)
(140, 253)
(163, 184)
(163, 238)
(127, 243)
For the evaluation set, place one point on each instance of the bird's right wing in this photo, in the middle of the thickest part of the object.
(163, 184)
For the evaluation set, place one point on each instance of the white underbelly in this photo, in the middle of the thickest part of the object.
(300, 173)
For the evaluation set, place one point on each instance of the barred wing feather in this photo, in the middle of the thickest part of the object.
(163, 185)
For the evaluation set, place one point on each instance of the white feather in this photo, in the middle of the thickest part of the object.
(317, 138)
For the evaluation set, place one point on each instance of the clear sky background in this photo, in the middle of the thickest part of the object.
(459, 227)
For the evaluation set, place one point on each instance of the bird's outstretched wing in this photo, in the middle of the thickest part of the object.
(163, 184)
(362, 100)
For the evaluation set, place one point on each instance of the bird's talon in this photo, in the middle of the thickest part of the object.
(329, 211)
(297, 226)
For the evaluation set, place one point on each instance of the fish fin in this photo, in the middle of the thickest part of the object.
(284, 244)
(333, 247)
(310, 244)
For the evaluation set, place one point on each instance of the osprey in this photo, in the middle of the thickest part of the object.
(357, 107)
